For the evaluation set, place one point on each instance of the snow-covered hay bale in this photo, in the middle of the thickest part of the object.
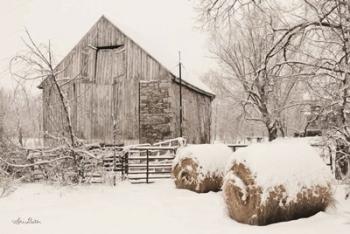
(277, 181)
(201, 168)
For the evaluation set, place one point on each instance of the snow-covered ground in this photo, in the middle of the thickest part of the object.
(143, 208)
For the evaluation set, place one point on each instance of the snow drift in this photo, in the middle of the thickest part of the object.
(201, 168)
(276, 181)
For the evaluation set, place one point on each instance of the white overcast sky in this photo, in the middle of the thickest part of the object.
(162, 27)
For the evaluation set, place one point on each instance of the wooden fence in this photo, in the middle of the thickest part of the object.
(138, 163)
(235, 147)
(325, 152)
(144, 164)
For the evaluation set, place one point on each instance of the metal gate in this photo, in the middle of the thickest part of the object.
(145, 164)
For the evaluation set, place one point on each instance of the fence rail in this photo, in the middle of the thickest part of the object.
(148, 163)
(138, 163)
(234, 147)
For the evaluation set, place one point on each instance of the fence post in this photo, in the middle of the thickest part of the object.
(126, 163)
(147, 165)
(122, 164)
(114, 168)
(330, 159)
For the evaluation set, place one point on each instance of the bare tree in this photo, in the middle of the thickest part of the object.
(246, 52)
(331, 36)
(2, 114)
(320, 36)
(228, 123)
(21, 115)
(37, 63)
(216, 13)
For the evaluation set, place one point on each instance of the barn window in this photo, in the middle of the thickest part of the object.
(110, 64)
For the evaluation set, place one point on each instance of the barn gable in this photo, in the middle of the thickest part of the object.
(104, 34)
(102, 76)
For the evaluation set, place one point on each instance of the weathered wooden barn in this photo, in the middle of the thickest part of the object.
(119, 93)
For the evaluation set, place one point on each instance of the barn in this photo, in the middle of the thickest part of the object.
(117, 93)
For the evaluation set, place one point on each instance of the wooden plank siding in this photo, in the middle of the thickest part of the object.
(103, 89)
(196, 114)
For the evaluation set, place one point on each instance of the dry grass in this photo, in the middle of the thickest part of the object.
(275, 209)
(186, 176)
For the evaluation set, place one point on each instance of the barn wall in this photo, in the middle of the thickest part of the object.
(140, 66)
(90, 92)
(104, 103)
(196, 114)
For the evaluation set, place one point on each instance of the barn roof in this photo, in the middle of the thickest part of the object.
(148, 46)
(193, 84)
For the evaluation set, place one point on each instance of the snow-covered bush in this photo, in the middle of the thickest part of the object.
(276, 181)
(201, 168)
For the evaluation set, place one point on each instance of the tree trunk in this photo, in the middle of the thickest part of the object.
(65, 110)
(272, 130)
(20, 136)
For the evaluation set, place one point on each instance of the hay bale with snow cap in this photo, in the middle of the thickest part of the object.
(276, 181)
(201, 168)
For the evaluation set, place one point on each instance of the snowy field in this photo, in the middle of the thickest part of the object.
(143, 208)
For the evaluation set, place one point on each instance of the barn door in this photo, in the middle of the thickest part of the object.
(155, 113)
(118, 108)
(107, 107)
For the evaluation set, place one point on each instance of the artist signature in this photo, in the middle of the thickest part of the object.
(28, 220)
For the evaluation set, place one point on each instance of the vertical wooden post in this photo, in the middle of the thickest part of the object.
(114, 168)
(147, 165)
(126, 163)
(330, 158)
(180, 78)
(122, 158)
(139, 111)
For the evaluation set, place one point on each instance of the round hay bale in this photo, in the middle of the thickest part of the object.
(201, 168)
(277, 181)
